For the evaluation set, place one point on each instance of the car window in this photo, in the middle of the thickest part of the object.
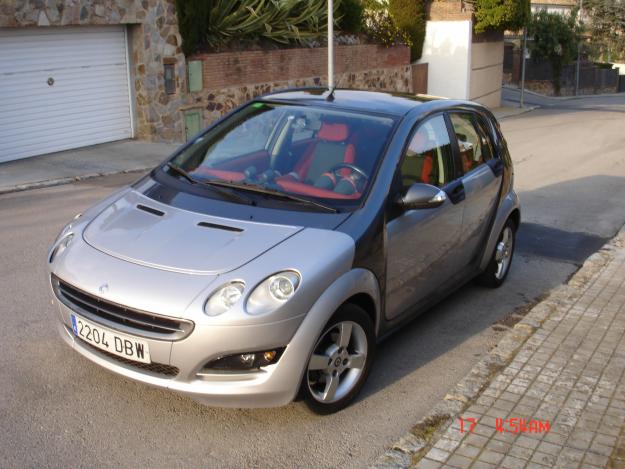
(301, 150)
(472, 152)
(428, 158)
(485, 135)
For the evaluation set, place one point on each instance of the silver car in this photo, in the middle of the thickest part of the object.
(269, 254)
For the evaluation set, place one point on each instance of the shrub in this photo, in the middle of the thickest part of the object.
(217, 22)
(381, 29)
(193, 16)
(555, 39)
(409, 16)
(350, 14)
(501, 15)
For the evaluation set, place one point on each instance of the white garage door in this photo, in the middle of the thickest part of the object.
(62, 88)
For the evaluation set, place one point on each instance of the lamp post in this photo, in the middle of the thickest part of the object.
(330, 44)
(579, 50)
(523, 53)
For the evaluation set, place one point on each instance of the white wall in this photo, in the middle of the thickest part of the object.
(447, 50)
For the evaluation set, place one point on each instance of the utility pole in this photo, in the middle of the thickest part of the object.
(523, 53)
(579, 50)
(330, 44)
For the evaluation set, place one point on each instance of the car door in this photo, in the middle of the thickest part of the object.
(482, 172)
(422, 244)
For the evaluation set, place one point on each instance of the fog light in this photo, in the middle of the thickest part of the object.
(245, 361)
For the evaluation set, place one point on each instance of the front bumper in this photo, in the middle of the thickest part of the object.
(274, 385)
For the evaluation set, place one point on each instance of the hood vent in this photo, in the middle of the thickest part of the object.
(204, 224)
(151, 210)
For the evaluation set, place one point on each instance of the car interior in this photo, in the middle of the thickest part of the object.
(318, 154)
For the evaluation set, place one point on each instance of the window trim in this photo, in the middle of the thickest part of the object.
(413, 131)
(472, 113)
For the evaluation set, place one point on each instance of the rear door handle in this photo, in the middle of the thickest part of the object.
(455, 191)
(496, 166)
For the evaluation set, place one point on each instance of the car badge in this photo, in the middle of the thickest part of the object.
(104, 288)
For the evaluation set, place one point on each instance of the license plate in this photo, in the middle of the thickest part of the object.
(113, 342)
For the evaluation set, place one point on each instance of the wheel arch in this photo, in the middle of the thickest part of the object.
(366, 302)
(509, 208)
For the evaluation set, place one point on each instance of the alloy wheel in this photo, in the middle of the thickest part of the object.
(503, 252)
(337, 362)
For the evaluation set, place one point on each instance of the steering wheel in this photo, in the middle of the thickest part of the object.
(353, 168)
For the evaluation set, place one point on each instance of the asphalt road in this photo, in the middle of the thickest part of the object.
(58, 409)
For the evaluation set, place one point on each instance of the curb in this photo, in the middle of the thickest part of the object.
(515, 111)
(566, 98)
(411, 447)
(68, 180)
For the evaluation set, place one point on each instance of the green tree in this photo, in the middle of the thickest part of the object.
(351, 16)
(606, 21)
(409, 16)
(500, 15)
(193, 19)
(555, 39)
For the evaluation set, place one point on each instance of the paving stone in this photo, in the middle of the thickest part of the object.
(459, 461)
(490, 457)
(428, 464)
(510, 462)
(437, 455)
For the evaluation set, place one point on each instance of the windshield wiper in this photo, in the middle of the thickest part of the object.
(232, 195)
(273, 193)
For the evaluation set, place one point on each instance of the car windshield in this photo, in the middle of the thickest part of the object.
(289, 151)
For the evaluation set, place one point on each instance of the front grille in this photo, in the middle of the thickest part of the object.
(132, 321)
(156, 368)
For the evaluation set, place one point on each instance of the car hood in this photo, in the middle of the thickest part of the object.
(140, 230)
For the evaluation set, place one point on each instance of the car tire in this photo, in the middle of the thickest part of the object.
(340, 362)
(499, 265)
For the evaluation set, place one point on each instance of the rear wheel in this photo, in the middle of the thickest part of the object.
(499, 265)
(340, 362)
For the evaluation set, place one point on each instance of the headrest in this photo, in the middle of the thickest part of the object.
(333, 132)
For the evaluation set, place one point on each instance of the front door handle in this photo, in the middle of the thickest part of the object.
(496, 165)
(455, 191)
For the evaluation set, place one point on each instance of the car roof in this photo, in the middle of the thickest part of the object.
(373, 101)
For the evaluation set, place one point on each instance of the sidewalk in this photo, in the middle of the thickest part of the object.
(83, 163)
(511, 109)
(551, 394)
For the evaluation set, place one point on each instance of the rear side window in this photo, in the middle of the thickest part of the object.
(474, 147)
(429, 158)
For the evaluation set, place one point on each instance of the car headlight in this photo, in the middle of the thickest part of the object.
(224, 298)
(273, 292)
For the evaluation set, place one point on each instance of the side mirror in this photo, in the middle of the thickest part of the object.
(421, 195)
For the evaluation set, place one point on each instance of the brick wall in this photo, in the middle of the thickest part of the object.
(249, 67)
(449, 10)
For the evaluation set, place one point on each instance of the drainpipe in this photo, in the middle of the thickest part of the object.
(330, 44)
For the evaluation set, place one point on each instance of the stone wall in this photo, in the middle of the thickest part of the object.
(154, 40)
(215, 103)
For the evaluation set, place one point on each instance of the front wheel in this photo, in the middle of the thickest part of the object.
(499, 265)
(340, 362)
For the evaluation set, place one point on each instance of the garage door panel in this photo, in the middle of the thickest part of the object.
(56, 145)
(86, 121)
(88, 101)
(58, 111)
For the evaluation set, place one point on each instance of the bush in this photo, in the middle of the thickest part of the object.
(193, 16)
(501, 15)
(215, 23)
(381, 29)
(409, 16)
(555, 39)
(351, 14)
